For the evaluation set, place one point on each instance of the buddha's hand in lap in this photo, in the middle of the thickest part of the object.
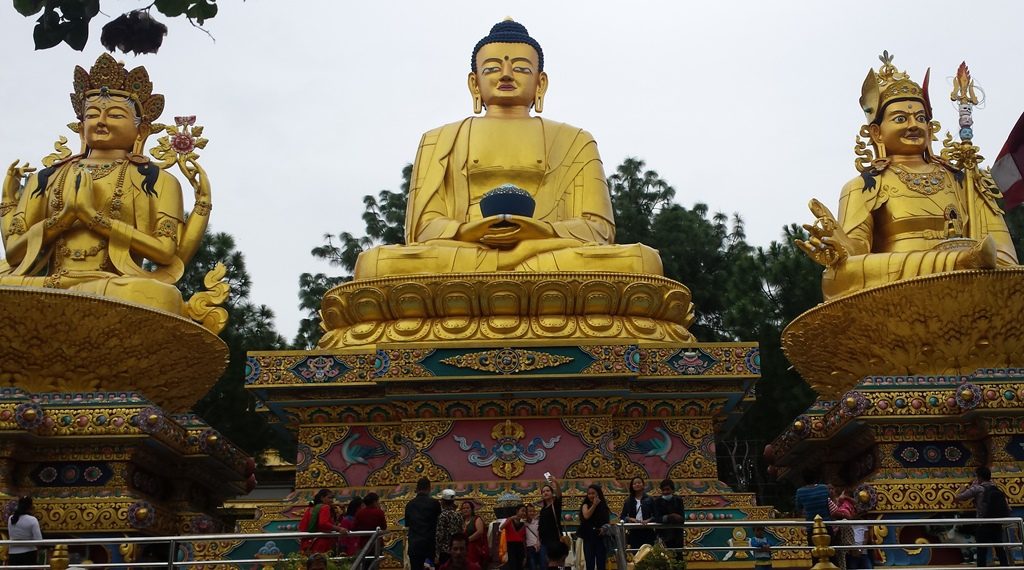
(504, 230)
(827, 243)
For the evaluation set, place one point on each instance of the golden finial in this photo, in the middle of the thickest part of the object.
(507, 19)
(963, 86)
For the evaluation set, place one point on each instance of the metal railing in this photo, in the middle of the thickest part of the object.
(371, 554)
(59, 559)
(1018, 523)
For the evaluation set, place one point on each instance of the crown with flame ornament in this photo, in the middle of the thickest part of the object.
(889, 84)
(109, 79)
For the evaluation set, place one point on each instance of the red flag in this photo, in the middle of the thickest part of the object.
(1008, 168)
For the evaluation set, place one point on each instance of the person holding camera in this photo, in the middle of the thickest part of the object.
(549, 524)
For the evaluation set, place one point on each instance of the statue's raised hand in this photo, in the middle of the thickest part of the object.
(198, 179)
(12, 182)
(828, 244)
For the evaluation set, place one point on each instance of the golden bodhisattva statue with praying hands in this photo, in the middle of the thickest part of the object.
(509, 231)
(95, 243)
(572, 226)
(86, 222)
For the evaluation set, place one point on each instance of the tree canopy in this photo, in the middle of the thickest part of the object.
(133, 31)
(228, 407)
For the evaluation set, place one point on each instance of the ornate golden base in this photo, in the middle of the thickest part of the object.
(952, 323)
(506, 306)
(62, 341)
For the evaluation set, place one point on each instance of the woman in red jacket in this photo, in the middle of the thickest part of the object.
(319, 518)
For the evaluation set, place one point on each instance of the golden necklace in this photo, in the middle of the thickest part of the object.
(98, 171)
(116, 199)
(924, 183)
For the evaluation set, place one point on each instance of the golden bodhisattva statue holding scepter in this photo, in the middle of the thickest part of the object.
(921, 276)
(909, 213)
(86, 222)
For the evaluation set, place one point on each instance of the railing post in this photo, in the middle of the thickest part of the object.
(620, 538)
(822, 546)
(1020, 536)
(59, 560)
(377, 540)
(172, 553)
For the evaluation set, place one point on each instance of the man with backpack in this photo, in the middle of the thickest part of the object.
(990, 502)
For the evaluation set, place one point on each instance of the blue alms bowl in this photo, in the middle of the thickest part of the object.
(507, 199)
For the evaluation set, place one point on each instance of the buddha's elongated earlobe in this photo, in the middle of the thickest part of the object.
(478, 104)
(538, 102)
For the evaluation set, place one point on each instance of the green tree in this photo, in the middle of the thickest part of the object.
(384, 218)
(134, 31)
(637, 195)
(740, 292)
(228, 406)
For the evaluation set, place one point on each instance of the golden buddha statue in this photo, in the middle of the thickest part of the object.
(909, 213)
(572, 227)
(87, 222)
(509, 233)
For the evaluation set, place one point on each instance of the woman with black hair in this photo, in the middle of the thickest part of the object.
(477, 549)
(319, 518)
(638, 508)
(23, 526)
(349, 545)
(594, 514)
(549, 518)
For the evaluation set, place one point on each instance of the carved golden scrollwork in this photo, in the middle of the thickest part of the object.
(106, 338)
(506, 305)
(507, 360)
(939, 336)
(62, 152)
(204, 306)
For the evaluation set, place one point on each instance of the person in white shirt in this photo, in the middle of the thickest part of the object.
(23, 526)
(638, 507)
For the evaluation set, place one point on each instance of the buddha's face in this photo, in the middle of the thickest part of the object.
(904, 129)
(507, 75)
(109, 124)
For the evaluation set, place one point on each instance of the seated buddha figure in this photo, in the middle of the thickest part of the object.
(87, 223)
(909, 213)
(572, 227)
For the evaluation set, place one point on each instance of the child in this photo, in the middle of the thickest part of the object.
(762, 550)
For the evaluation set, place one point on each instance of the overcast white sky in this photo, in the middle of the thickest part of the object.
(748, 106)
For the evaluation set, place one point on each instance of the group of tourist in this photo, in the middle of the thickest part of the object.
(324, 515)
(835, 502)
(533, 535)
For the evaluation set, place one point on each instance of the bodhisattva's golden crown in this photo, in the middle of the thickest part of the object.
(890, 84)
(109, 78)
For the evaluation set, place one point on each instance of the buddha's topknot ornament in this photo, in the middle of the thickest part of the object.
(888, 85)
(109, 78)
(508, 31)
